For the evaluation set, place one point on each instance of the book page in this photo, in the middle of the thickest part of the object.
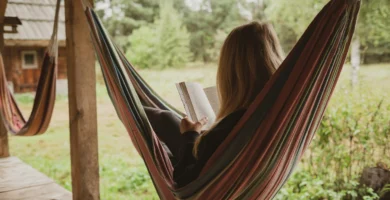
(212, 96)
(196, 102)
(186, 100)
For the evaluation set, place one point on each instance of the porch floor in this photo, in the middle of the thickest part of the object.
(19, 181)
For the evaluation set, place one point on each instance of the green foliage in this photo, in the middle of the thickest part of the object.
(374, 30)
(373, 25)
(143, 52)
(303, 185)
(255, 8)
(291, 18)
(385, 190)
(174, 38)
(165, 43)
(354, 133)
(128, 16)
(204, 24)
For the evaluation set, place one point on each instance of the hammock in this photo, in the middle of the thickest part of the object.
(44, 100)
(273, 133)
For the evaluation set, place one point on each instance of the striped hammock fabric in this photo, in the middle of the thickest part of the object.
(264, 147)
(44, 100)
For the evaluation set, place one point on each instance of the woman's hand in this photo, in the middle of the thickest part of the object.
(188, 125)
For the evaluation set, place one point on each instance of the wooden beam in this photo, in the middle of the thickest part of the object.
(31, 43)
(4, 148)
(82, 104)
(3, 6)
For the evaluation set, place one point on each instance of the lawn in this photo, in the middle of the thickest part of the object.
(122, 172)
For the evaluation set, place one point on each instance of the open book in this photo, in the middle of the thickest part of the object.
(199, 102)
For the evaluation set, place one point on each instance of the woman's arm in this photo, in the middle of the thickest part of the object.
(184, 169)
(190, 131)
(188, 167)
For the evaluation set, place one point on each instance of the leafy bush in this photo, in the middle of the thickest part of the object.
(354, 133)
(385, 190)
(143, 51)
(165, 43)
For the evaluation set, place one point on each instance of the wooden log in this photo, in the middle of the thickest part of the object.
(4, 148)
(82, 104)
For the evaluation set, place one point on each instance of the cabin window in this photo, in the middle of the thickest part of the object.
(29, 60)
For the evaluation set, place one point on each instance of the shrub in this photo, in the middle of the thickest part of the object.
(353, 134)
(385, 193)
(143, 52)
(165, 43)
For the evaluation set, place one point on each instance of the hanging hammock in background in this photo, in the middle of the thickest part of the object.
(262, 150)
(44, 100)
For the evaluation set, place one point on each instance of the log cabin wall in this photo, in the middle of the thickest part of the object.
(25, 79)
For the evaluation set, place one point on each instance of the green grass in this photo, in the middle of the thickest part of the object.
(122, 172)
(373, 76)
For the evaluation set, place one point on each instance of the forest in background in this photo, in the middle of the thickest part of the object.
(170, 33)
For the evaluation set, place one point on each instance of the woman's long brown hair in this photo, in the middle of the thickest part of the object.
(249, 56)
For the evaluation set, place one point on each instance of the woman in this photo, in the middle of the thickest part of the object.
(249, 56)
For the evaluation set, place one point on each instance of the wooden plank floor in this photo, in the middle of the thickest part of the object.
(19, 181)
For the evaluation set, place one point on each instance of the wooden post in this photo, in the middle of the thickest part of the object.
(82, 104)
(4, 148)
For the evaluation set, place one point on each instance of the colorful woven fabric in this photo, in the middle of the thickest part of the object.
(44, 100)
(260, 153)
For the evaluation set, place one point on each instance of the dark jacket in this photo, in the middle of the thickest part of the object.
(188, 167)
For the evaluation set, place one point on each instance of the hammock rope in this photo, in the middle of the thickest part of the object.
(273, 133)
(42, 110)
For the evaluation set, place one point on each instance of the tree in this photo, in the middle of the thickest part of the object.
(372, 28)
(126, 16)
(143, 52)
(256, 8)
(204, 23)
(292, 17)
(174, 37)
(165, 43)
